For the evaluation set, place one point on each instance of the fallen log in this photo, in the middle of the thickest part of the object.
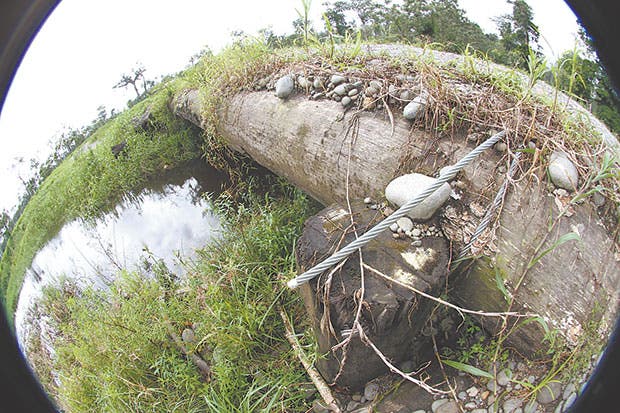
(318, 146)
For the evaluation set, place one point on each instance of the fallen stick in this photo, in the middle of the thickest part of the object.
(315, 376)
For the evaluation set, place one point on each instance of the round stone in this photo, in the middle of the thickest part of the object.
(406, 95)
(511, 405)
(376, 84)
(503, 378)
(353, 92)
(449, 407)
(318, 83)
(501, 147)
(549, 393)
(407, 187)
(472, 391)
(405, 224)
(346, 101)
(341, 90)
(337, 79)
(284, 87)
(394, 227)
(563, 172)
(303, 82)
(188, 335)
(415, 109)
(437, 404)
(371, 391)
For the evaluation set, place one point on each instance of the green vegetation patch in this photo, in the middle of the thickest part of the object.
(92, 180)
(113, 348)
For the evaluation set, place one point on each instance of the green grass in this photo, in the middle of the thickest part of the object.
(113, 352)
(91, 181)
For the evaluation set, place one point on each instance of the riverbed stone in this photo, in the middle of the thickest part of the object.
(437, 404)
(549, 393)
(284, 87)
(406, 187)
(337, 79)
(563, 172)
(188, 335)
(341, 90)
(449, 407)
(405, 223)
(393, 316)
(415, 109)
(511, 405)
(371, 390)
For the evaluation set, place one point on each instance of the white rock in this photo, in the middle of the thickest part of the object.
(345, 101)
(303, 82)
(394, 227)
(284, 87)
(408, 186)
(562, 171)
(405, 224)
(367, 200)
(415, 108)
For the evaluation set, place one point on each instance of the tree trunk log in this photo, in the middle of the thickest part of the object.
(316, 144)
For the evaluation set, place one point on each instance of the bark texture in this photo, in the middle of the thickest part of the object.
(315, 144)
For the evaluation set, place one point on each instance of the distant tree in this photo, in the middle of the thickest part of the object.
(518, 35)
(439, 21)
(136, 75)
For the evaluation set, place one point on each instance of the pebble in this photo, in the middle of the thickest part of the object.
(396, 235)
(437, 404)
(406, 187)
(503, 378)
(484, 395)
(356, 397)
(376, 84)
(501, 147)
(558, 408)
(394, 227)
(303, 82)
(531, 407)
(492, 386)
(563, 172)
(479, 411)
(353, 92)
(472, 391)
(368, 200)
(337, 79)
(449, 407)
(416, 232)
(371, 391)
(420, 411)
(470, 405)
(415, 109)
(284, 87)
(417, 243)
(318, 83)
(188, 335)
(405, 224)
(462, 395)
(341, 90)
(511, 405)
(570, 388)
(406, 95)
(549, 393)
(598, 199)
(346, 101)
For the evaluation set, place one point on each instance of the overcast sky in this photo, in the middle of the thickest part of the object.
(85, 46)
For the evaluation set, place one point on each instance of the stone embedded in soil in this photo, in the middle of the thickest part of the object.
(437, 404)
(371, 391)
(341, 90)
(502, 378)
(531, 407)
(284, 87)
(449, 407)
(337, 79)
(493, 386)
(511, 405)
(549, 393)
(415, 109)
(405, 223)
(408, 186)
(563, 172)
(303, 82)
(472, 391)
(188, 335)
(346, 101)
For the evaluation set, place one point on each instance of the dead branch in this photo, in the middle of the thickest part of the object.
(314, 375)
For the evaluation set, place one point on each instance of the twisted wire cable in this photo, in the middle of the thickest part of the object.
(488, 216)
(446, 174)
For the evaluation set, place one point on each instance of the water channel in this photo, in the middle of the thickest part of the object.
(169, 218)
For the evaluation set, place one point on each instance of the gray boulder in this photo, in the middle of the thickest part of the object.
(406, 187)
(415, 108)
(563, 172)
(284, 87)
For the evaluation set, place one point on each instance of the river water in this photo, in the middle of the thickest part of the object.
(171, 217)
